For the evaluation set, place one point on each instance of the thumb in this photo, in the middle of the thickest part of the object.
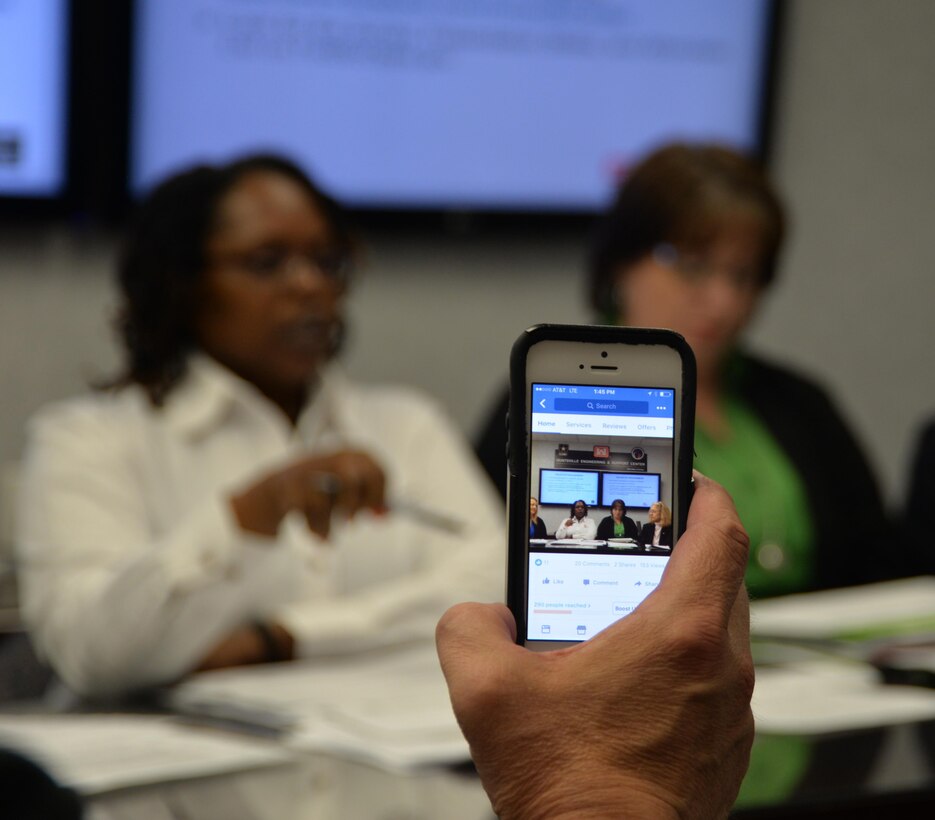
(476, 643)
(707, 566)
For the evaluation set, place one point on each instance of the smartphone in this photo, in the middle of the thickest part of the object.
(601, 431)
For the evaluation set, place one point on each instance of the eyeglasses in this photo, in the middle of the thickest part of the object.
(695, 269)
(279, 262)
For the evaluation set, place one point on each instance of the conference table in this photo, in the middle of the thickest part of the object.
(374, 738)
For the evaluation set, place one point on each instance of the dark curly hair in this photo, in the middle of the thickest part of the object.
(681, 194)
(571, 512)
(163, 259)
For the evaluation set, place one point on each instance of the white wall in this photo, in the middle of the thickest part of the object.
(853, 145)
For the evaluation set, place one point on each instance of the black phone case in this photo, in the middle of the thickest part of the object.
(518, 441)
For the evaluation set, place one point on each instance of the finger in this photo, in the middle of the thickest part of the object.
(366, 483)
(707, 566)
(324, 481)
(373, 488)
(468, 639)
(292, 490)
(317, 509)
(349, 497)
(358, 473)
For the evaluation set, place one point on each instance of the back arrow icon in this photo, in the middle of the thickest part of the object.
(542, 404)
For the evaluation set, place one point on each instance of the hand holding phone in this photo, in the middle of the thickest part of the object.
(601, 431)
(670, 685)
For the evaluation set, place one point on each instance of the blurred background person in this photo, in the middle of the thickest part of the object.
(577, 525)
(657, 532)
(691, 243)
(536, 525)
(618, 524)
(229, 498)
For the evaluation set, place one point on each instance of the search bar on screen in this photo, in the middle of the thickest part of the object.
(602, 406)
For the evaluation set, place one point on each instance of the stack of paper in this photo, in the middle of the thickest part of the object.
(819, 697)
(820, 683)
(388, 708)
(95, 753)
(877, 610)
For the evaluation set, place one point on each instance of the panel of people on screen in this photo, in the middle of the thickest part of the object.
(657, 531)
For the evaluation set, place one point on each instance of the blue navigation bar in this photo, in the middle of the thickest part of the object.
(653, 402)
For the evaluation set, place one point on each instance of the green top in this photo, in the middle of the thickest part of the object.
(770, 499)
(619, 529)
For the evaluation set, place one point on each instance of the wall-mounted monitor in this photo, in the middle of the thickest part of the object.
(33, 97)
(598, 488)
(523, 105)
(638, 490)
(567, 486)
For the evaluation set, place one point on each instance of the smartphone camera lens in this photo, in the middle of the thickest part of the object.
(603, 354)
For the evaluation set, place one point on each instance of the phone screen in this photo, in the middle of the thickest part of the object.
(602, 466)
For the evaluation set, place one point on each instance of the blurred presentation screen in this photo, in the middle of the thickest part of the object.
(33, 97)
(475, 104)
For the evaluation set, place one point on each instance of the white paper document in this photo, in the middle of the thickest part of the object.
(818, 697)
(95, 753)
(390, 708)
(887, 609)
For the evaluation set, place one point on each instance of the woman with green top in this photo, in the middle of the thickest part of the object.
(618, 524)
(691, 243)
